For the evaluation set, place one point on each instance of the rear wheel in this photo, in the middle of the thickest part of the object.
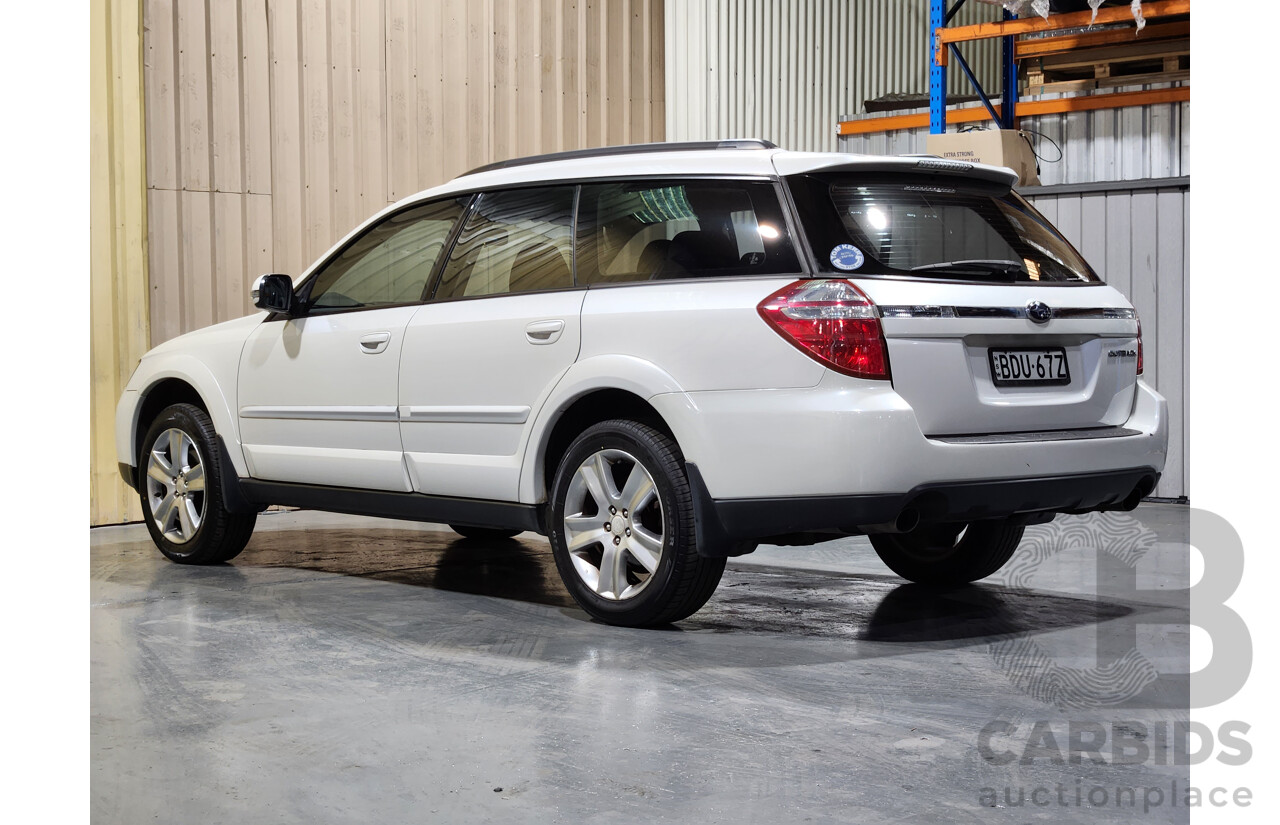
(180, 483)
(621, 527)
(949, 554)
(484, 533)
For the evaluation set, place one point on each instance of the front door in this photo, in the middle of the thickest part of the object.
(318, 392)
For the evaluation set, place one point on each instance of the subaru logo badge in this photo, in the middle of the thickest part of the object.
(1039, 312)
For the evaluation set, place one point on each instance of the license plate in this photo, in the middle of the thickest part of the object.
(1026, 367)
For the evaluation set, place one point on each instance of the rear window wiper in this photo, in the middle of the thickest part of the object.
(1006, 270)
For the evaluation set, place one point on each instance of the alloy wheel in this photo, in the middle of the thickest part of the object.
(176, 485)
(613, 524)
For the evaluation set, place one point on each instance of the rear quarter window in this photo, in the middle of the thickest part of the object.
(665, 229)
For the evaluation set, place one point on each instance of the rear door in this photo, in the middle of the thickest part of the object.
(993, 323)
(481, 358)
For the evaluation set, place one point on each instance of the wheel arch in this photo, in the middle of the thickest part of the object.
(190, 381)
(589, 409)
(594, 390)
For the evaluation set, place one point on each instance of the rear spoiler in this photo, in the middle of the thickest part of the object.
(789, 163)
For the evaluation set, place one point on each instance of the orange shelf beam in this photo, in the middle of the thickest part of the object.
(1026, 108)
(1107, 37)
(1055, 22)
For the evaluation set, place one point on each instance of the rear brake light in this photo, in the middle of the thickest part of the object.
(832, 322)
(1139, 344)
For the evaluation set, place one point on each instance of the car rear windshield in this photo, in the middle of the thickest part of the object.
(931, 227)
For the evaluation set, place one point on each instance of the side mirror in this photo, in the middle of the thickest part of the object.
(274, 293)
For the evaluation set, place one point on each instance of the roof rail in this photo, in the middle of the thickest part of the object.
(630, 149)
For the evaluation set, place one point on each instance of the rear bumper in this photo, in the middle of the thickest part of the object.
(727, 527)
(851, 438)
(849, 456)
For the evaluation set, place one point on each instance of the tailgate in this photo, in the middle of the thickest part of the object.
(987, 358)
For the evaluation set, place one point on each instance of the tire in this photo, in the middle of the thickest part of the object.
(949, 554)
(643, 569)
(182, 501)
(484, 533)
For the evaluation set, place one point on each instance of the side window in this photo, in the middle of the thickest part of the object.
(390, 263)
(644, 230)
(517, 240)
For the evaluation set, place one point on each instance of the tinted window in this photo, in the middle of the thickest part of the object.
(935, 228)
(636, 231)
(390, 263)
(515, 241)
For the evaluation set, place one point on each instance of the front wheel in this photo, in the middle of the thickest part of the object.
(949, 554)
(622, 531)
(180, 482)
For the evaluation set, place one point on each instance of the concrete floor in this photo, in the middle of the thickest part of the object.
(360, 670)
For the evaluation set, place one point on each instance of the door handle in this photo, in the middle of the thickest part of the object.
(374, 343)
(544, 332)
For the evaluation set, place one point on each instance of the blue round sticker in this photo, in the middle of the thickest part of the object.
(847, 257)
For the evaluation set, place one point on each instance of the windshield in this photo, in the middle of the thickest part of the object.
(948, 228)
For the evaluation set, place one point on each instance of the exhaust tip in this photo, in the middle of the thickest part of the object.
(1140, 491)
(907, 520)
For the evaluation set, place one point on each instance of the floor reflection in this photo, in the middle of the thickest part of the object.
(917, 613)
(860, 607)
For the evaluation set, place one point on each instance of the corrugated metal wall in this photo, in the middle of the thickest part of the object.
(788, 70)
(1138, 241)
(117, 242)
(1133, 143)
(275, 127)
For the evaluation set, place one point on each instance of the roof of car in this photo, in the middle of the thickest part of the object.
(745, 158)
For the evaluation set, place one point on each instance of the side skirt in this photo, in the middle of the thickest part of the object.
(409, 506)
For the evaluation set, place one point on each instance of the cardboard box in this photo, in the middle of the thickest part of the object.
(997, 147)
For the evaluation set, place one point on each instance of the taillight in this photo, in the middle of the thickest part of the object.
(832, 322)
(1139, 344)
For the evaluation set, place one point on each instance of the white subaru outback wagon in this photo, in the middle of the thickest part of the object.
(660, 356)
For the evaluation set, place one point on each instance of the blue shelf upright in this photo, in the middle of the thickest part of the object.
(937, 71)
(1006, 116)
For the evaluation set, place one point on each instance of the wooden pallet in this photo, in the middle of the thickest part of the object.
(1159, 61)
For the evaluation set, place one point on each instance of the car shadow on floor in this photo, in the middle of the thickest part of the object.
(506, 569)
(861, 607)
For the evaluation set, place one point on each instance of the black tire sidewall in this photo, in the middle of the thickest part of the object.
(197, 426)
(983, 550)
(656, 596)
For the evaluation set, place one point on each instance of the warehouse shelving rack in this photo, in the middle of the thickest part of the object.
(944, 46)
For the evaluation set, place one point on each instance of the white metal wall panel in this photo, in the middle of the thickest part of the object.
(1133, 143)
(788, 70)
(1137, 240)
